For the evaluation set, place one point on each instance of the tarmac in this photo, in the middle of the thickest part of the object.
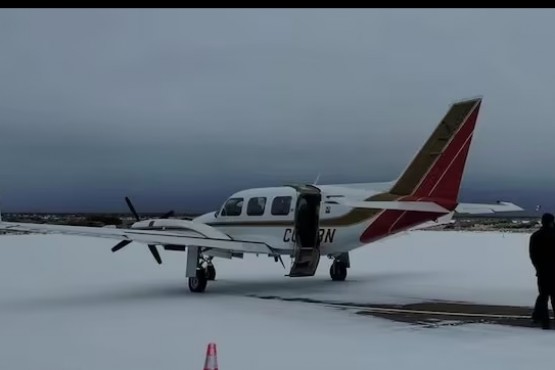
(435, 314)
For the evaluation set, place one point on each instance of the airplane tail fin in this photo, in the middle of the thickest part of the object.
(428, 190)
(437, 169)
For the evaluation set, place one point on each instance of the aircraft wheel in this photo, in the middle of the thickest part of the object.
(198, 283)
(338, 271)
(210, 272)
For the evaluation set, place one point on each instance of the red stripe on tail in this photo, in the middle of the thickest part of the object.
(444, 178)
(440, 183)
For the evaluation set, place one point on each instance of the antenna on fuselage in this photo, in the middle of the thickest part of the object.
(317, 178)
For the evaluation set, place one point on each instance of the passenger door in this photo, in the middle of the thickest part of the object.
(307, 224)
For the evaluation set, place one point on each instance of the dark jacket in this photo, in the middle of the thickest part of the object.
(542, 251)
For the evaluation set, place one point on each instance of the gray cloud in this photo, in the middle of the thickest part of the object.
(171, 105)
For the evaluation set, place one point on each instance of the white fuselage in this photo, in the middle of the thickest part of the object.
(340, 226)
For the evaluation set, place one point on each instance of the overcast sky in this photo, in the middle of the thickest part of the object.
(170, 106)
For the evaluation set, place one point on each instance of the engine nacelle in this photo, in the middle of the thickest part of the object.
(181, 226)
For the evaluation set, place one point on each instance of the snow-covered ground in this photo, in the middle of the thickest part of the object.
(70, 303)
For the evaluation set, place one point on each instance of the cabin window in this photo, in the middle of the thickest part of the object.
(232, 207)
(256, 206)
(281, 206)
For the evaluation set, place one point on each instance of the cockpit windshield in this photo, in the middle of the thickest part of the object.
(232, 207)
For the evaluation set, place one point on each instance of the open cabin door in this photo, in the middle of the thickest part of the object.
(306, 255)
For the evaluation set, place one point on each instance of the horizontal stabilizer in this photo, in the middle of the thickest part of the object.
(478, 208)
(393, 205)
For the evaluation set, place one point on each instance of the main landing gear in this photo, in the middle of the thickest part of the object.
(209, 267)
(338, 269)
(200, 274)
(200, 270)
(197, 284)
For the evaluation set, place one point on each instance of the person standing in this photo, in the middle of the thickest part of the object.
(542, 256)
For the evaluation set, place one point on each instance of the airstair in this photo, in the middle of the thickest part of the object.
(306, 253)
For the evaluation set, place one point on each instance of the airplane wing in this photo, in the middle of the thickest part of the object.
(197, 235)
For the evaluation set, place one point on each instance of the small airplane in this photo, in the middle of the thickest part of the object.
(308, 221)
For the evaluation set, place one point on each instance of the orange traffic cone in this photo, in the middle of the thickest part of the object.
(211, 362)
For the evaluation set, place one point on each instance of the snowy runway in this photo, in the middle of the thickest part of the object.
(68, 303)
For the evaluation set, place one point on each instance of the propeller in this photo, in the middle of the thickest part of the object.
(151, 247)
(155, 253)
(120, 245)
(278, 258)
(132, 208)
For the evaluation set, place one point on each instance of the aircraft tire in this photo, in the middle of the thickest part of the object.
(198, 283)
(210, 272)
(338, 271)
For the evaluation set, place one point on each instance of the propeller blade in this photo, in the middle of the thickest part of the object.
(130, 205)
(278, 258)
(120, 245)
(168, 214)
(155, 253)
